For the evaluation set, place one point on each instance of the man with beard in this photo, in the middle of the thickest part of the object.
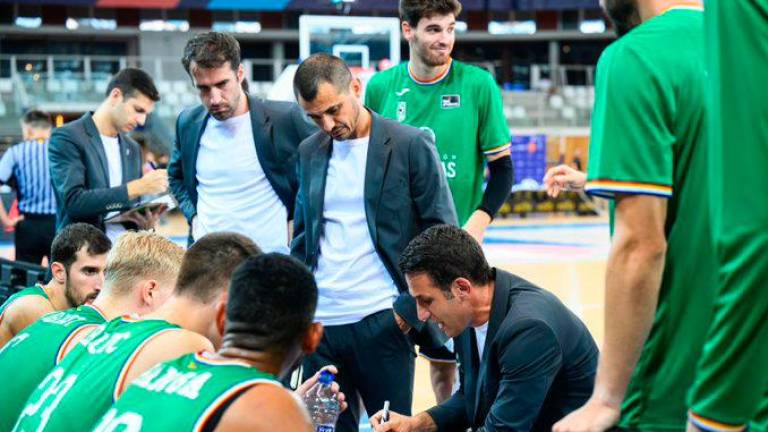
(368, 185)
(233, 167)
(96, 167)
(141, 269)
(460, 106)
(648, 154)
(78, 256)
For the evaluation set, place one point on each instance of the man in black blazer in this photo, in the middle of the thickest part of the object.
(525, 359)
(234, 163)
(367, 186)
(95, 167)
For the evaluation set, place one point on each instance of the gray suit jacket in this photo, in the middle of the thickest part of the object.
(80, 174)
(278, 128)
(405, 192)
(539, 363)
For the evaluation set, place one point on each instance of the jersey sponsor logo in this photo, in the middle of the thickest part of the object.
(167, 379)
(449, 165)
(401, 111)
(403, 91)
(450, 101)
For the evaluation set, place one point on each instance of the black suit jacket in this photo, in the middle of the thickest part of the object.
(278, 128)
(405, 192)
(80, 174)
(539, 364)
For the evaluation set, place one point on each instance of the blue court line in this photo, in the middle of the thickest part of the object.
(546, 226)
(535, 243)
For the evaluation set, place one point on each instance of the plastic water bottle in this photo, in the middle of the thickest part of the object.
(322, 404)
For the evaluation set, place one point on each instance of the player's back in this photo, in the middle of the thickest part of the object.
(32, 353)
(90, 377)
(186, 394)
(5, 330)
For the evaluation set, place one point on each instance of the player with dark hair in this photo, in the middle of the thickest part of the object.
(78, 258)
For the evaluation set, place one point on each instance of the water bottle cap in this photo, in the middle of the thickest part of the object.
(326, 377)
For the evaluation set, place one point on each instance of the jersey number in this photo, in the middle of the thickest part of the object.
(54, 387)
(126, 422)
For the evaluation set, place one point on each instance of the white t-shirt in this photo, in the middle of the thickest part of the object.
(233, 192)
(351, 278)
(481, 333)
(115, 170)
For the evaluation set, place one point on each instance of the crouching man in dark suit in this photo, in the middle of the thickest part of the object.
(525, 360)
(367, 186)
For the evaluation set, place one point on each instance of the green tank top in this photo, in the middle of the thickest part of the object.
(186, 394)
(77, 392)
(38, 348)
(34, 290)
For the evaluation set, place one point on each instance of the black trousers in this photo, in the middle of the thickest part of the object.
(33, 237)
(375, 361)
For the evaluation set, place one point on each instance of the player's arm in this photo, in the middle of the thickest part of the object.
(494, 136)
(163, 347)
(26, 311)
(632, 283)
(263, 407)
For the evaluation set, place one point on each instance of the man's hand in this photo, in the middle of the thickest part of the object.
(306, 385)
(477, 224)
(396, 423)
(12, 221)
(401, 324)
(594, 416)
(153, 182)
(563, 177)
(149, 218)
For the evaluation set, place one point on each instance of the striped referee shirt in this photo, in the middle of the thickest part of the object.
(28, 162)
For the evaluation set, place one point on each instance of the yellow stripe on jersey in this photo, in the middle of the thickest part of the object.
(607, 188)
(498, 149)
(64, 347)
(120, 383)
(712, 425)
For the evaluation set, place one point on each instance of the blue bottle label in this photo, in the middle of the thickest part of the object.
(324, 429)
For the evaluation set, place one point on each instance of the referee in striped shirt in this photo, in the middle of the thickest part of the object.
(27, 162)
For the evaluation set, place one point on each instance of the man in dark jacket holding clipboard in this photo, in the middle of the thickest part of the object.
(96, 167)
(525, 360)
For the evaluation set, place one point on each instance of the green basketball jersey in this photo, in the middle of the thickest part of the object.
(731, 388)
(34, 290)
(86, 383)
(648, 138)
(186, 394)
(32, 353)
(463, 112)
